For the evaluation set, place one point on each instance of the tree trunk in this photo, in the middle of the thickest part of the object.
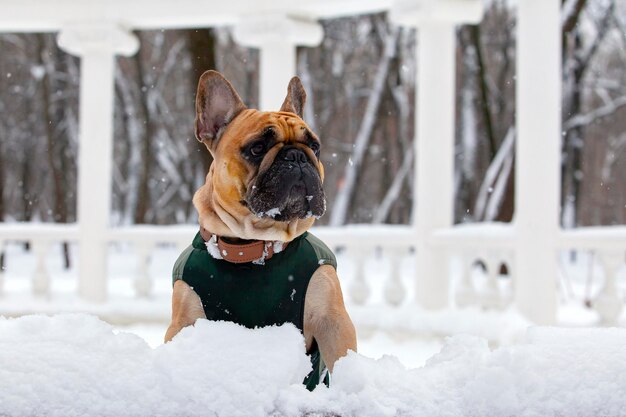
(202, 49)
(576, 64)
(483, 90)
(143, 192)
(344, 196)
(51, 120)
(2, 209)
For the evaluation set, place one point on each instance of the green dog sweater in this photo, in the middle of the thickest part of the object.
(255, 295)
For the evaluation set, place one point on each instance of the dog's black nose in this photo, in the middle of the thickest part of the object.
(295, 155)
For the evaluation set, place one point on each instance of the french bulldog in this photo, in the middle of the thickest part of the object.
(254, 262)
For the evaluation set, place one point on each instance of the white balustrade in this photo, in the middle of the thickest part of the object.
(41, 277)
(143, 281)
(609, 246)
(394, 290)
(2, 258)
(359, 290)
(493, 245)
(509, 290)
(609, 302)
(490, 293)
(466, 294)
(363, 245)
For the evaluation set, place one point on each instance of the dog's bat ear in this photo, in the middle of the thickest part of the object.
(296, 96)
(217, 104)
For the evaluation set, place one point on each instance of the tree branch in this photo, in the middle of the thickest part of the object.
(581, 120)
(603, 28)
(570, 13)
(484, 93)
(344, 195)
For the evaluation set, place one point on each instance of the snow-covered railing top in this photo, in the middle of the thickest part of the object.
(38, 16)
(469, 235)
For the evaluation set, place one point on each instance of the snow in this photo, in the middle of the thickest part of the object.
(261, 260)
(75, 364)
(38, 72)
(270, 213)
(278, 246)
(402, 384)
(501, 327)
(212, 248)
(70, 365)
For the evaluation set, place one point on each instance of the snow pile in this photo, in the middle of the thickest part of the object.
(75, 365)
(557, 373)
(501, 327)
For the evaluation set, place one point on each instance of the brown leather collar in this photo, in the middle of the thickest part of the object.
(257, 251)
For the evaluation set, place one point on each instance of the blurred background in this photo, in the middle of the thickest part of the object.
(361, 86)
(158, 164)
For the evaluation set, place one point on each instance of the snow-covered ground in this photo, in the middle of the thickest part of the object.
(76, 365)
(79, 365)
(410, 350)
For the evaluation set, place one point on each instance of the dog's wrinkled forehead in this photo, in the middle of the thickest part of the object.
(291, 127)
(284, 127)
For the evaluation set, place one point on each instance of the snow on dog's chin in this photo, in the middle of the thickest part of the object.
(272, 213)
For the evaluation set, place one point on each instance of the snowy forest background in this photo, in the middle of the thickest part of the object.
(360, 84)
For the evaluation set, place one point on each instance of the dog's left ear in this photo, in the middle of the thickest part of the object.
(296, 96)
(217, 104)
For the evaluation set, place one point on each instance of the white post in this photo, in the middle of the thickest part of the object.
(434, 192)
(434, 126)
(96, 45)
(41, 277)
(143, 282)
(608, 303)
(277, 66)
(538, 154)
(277, 37)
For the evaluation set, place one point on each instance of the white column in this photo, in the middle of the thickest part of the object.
(276, 37)
(433, 207)
(277, 66)
(434, 185)
(97, 46)
(538, 155)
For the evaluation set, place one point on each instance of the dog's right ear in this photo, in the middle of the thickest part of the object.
(217, 104)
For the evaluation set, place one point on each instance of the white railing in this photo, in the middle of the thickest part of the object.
(356, 243)
(493, 246)
(608, 245)
(40, 237)
(490, 245)
(465, 246)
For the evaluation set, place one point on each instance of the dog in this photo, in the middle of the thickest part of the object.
(254, 262)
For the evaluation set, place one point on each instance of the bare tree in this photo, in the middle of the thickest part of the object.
(360, 84)
(344, 195)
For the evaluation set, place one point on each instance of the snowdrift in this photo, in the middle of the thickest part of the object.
(74, 365)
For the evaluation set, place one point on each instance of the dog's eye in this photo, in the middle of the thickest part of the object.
(257, 149)
(315, 147)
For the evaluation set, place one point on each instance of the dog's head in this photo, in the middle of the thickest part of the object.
(266, 178)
